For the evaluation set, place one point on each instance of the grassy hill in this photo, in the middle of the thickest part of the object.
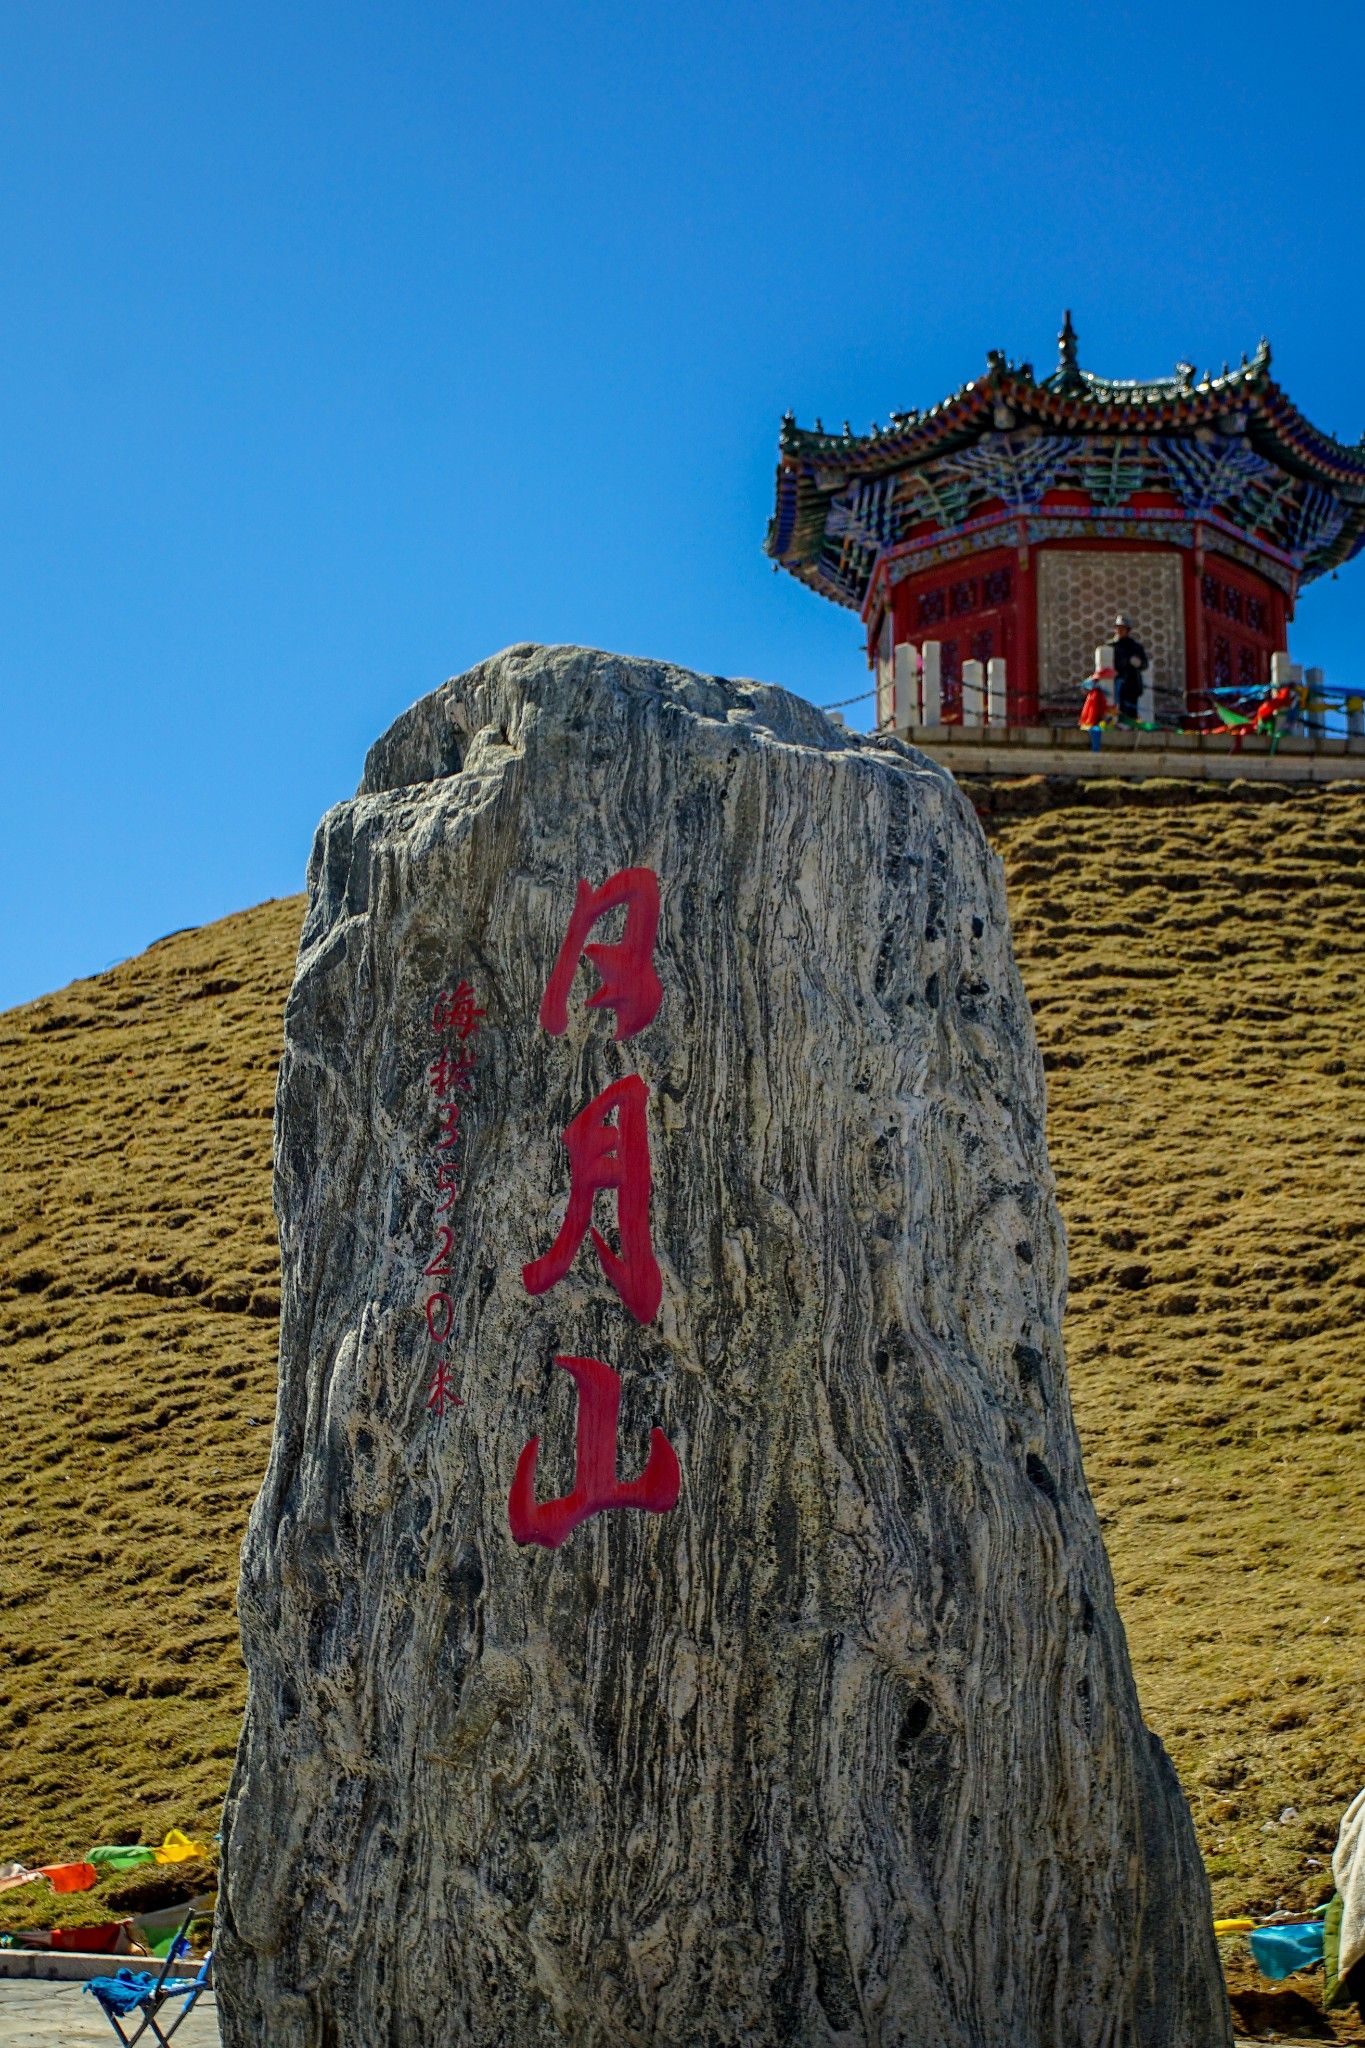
(1194, 963)
(1194, 960)
(138, 1307)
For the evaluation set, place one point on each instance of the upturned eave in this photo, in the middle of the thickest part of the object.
(815, 466)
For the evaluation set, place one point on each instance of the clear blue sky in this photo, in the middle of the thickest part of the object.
(343, 345)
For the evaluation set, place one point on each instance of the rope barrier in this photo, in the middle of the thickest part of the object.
(1342, 690)
(844, 702)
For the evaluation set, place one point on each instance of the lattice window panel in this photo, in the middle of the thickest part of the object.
(1079, 595)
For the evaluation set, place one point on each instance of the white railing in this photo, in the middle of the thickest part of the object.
(917, 689)
(910, 693)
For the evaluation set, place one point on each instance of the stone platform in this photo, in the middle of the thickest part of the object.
(1066, 750)
(56, 2014)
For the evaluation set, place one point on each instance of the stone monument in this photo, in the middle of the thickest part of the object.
(674, 1611)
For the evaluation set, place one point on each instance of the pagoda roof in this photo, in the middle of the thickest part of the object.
(1009, 404)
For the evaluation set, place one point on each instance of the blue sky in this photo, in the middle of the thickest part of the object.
(345, 345)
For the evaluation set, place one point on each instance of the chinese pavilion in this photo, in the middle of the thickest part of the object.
(1017, 517)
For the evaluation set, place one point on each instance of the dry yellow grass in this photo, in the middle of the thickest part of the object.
(138, 1306)
(1193, 958)
(1194, 963)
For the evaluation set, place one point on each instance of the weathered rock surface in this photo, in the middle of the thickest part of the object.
(842, 1748)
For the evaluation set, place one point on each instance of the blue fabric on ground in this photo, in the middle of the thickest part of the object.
(1281, 1950)
(124, 1993)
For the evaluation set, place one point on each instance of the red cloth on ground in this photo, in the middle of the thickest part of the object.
(70, 1877)
(90, 1941)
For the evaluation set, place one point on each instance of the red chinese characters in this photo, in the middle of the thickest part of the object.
(450, 1079)
(608, 1148)
(441, 1393)
(603, 1154)
(457, 1012)
(629, 984)
(596, 1486)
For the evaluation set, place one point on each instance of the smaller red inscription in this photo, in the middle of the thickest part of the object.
(441, 1393)
(596, 1486)
(440, 1316)
(450, 1125)
(608, 1155)
(455, 1010)
(450, 1071)
(440, 1260)
(630, 985)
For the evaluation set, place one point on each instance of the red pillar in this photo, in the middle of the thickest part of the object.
(1023, 689)
(1196, 681)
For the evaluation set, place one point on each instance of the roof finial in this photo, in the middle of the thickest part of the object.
(1066, 344)
(1067, 376)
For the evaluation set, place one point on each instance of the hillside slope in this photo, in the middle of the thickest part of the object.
(1194, 964)
(138, 1308)
(1193, 958)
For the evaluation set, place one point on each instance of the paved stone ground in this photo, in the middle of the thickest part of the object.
(37, 2015)
(34, 2015)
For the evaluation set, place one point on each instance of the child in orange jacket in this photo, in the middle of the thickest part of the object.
(1095, 709)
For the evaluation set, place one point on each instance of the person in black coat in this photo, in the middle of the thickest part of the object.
(1130, 661)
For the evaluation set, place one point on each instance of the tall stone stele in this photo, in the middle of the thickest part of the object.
(692, 1628)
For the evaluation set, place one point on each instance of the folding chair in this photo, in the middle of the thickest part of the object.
(133, 1990)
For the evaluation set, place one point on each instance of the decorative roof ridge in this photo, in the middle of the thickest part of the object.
(988, 401)
(1184, 382)
(901, 429)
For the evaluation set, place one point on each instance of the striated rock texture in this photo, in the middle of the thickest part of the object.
(843, 1747)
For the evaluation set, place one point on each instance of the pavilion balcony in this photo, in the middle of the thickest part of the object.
(967, 723)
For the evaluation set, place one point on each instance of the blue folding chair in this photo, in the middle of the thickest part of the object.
(138, 1990)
